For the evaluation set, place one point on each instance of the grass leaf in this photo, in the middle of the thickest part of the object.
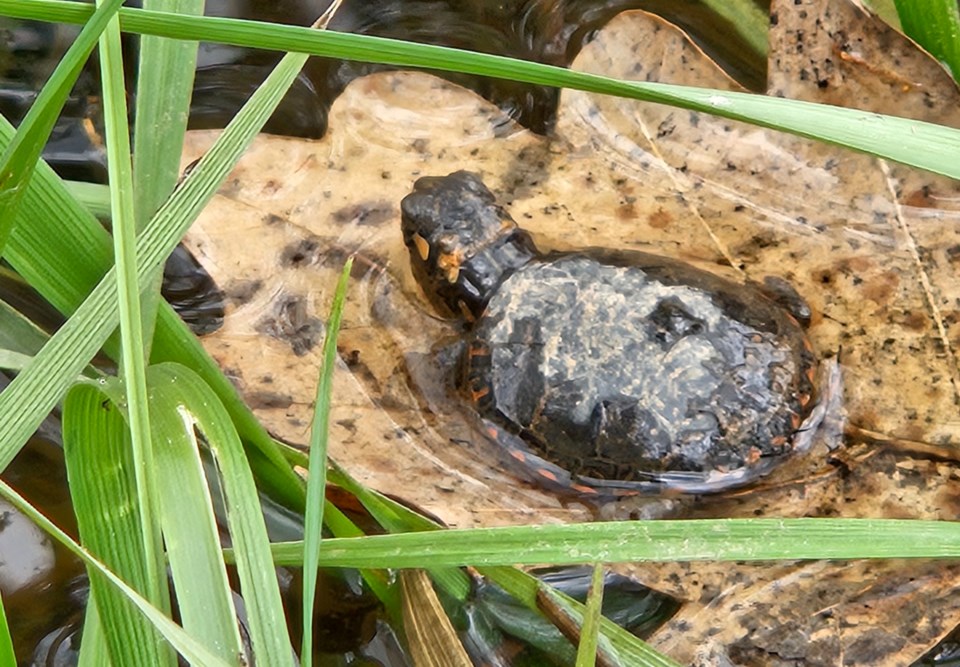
(187, 516)
(174, 634)
(22, 154)
(100, 468)
(133, 362)
(197, 405)
(663, 540)
(935, 25)
(317, 480)
(589, 631)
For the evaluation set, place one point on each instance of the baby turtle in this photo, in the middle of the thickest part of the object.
(610, 373)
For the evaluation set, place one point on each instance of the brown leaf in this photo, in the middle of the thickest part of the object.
(872, 246)
(432, 639)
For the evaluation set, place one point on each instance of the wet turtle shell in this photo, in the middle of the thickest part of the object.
(610, 372)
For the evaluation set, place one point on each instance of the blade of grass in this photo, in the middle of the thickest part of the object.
(431, 638)
(189, 527)
(935, 25)
(98, 455)
(628, 649)
(164, 88)
(664, 540)
(14, 361)
(63, 252)
(590, 630)
(317, 480)
(398, 519)
(33, 392)
(521, 585)
(255, 569)
(20, 335)
(916, 143)
(133, 362)
(21, 155)
(94, 197)
(7, 656)
(749, 20)
(93, 648)
(174, 634)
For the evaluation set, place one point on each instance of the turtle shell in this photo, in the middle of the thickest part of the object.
(611, 372)
(634, 373)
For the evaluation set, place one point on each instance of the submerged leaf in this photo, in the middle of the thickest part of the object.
(871, 246)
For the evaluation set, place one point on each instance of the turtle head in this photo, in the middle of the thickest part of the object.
(462, 244)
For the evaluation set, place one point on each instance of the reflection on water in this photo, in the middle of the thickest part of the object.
(546, 31)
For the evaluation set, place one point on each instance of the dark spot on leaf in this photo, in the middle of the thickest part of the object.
(268, 399)
(291, 322)
(243, 291)
(300, 253)
(368, 213)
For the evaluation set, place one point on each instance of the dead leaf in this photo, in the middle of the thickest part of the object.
(432, 639)
(873, 247)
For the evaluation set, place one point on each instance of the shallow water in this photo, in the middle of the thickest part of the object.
(735, 200)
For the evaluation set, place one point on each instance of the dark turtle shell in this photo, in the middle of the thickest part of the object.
(611, 372)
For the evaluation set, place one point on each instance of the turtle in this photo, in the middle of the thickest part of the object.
(610, 372)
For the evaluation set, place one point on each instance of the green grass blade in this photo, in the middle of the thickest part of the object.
(20, 336)
(164, 88)
(22, 153)
(94, 197)
(628, 649)
(63, 252)
(590, 630)
(174, 342)
(622, 541)
(36, 390)
(13, 361)
(7, 655)
(93, 648)
(398, 519)
(189, 526)
(749, 20)
(98, 454)
(935, 25)
(133, 362)
(174, 634)
(930, 146)
(255, 568)
(317, 480)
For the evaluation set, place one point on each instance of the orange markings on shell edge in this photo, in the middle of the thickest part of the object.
(479, 393)
(465, 311)
(547, 474)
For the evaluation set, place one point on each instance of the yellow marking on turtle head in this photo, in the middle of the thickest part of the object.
(423, 247)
